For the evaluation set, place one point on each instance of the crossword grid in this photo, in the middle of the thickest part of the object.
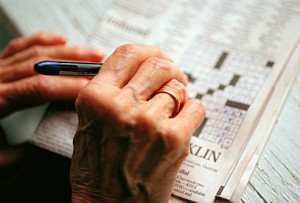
(227, 82)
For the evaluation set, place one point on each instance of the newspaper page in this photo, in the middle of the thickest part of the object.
(235, 186)
(233, 53)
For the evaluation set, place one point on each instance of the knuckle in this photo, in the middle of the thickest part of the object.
(158, 50)
(26, 69)
(14, 44)
(117, 103)
(77, 52)
(127, 50)
(37, 51)
(38, 58)
(91, 93)
(36, 90)
(147, 118)
(175, 138)
(116, 107)
(159, 64)
(171, 135)
(177, 86)
(41, 36)
(121, 109)
(42, 85)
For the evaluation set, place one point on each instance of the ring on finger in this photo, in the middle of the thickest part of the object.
(175, 98)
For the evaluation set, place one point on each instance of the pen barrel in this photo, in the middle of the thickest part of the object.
(71, 68)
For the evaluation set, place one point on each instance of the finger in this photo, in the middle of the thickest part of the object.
(152, 75)
(167, 103)
(25, 68)
(41, 38)
(124, 62)
(18, 71)
(190, 117)
(58, 52)
(160, 107)
(74, 53)
(39, 89)
(171, 148)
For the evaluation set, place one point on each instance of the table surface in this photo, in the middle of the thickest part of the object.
(277, 175)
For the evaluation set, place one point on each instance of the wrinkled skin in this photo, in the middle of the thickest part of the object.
(21, 87)
(129, 146)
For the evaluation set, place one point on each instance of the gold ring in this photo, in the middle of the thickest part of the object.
(175, 98)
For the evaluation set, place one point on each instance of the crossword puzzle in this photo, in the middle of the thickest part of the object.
(227, 83)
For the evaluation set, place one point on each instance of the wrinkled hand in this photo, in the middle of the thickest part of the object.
(21, 87)
(129, 146)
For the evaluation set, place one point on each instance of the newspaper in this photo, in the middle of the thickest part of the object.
(235, 54)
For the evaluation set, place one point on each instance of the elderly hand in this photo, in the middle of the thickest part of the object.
(21, 87)
(130, 140)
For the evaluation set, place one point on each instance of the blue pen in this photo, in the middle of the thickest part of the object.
(67, 68)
